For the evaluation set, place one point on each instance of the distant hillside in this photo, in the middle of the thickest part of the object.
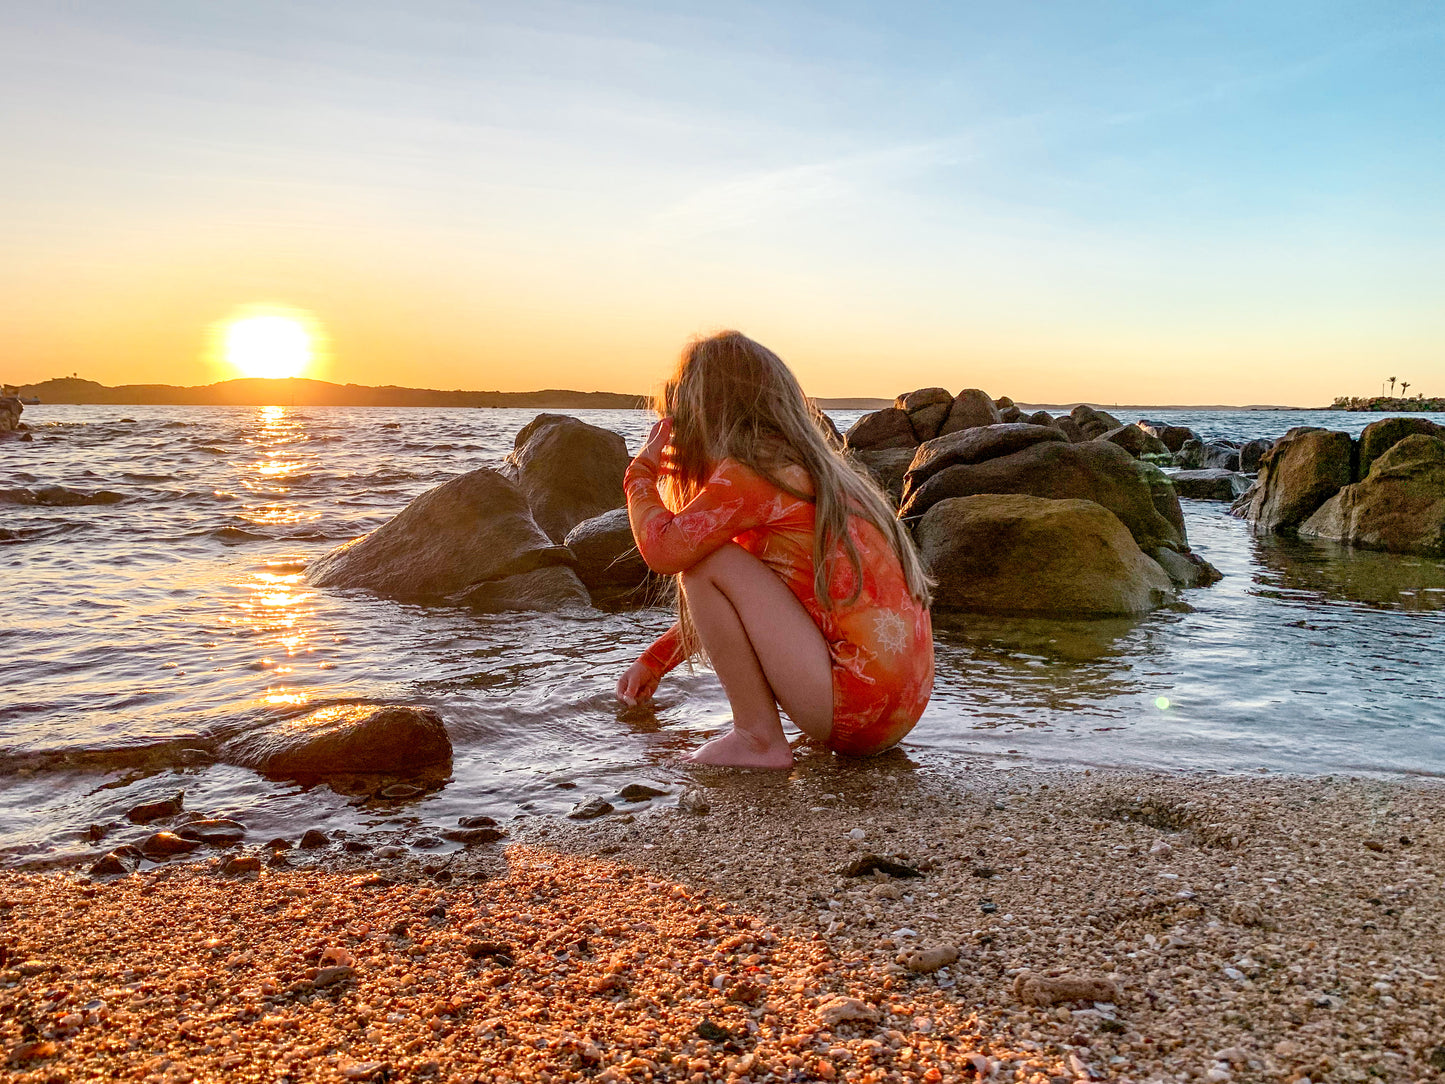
(301, 392)
(1387, 403)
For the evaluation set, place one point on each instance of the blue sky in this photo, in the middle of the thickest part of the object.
(1202, 203)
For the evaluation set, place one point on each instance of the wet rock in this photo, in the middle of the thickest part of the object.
(543, 590)
(971, 407)
(1190, 455)
(886, 428)
(569, 470)
(471, 530)
(1377, 438)
(608, 562)
(215, 831)
(278, 844)
(355, 846)
(1186, 569)
(1399, 507)
(887, 467)
(167, 845)
(640, 792)
(1210, 485)
(314, 838)
(871, 863)
(1221, 455)
(1093, 471)
(278, 860)
(121, 861)
(926, 960)
(344, 738)
(154, 811)
(476, 822)
(590, 809)
(1172, 437)
(1044, 990)
(1303, 470)
(975, 446)
(1039, 417)
(995, 553)
(241, 865)
(1252, 452)
(471, 836)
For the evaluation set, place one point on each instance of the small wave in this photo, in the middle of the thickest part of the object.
(236, 535)
(59, 496)
(141, 479)
(211, 449)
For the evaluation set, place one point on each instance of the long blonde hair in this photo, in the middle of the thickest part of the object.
(733, 398)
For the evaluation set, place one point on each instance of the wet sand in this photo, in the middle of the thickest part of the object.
(1243, 929)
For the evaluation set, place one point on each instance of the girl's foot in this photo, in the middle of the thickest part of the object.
(735, 750)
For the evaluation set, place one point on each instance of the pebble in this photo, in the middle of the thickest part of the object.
(694, 801)
(167, 844)
(470, 836)
(858, 835)
(590, 809)
(241, 864)
(640, 792)
(476, 822)
(314, 838)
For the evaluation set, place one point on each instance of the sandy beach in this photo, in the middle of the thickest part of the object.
(1107, 926)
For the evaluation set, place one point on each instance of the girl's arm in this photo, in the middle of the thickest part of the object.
(641, 679)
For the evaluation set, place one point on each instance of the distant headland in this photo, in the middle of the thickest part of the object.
(1388, 404)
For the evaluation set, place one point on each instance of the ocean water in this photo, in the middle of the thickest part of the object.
(135, 630)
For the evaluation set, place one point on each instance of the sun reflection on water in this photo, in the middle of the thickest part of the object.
(281, 461)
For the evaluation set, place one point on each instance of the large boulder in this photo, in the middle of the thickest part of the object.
(1094, 470)
(887, 467)
(1172, 436)
(10, 410)
(1093, 422)
(886, 428)
(344, 738)
(1379, 437)
(971, 407)
(1039, 417)
(974, 446)
(569, 470)
(1221, 455)
(1251, 453)
(1190, 455)
(555, 587)
(927, 408)
(1135, 440)
(608, 561)
(1399, 507)
(996, 553)
(1305, 468)
(473, 529)
(1164, 496)
(1070, 429)
(1210, 484)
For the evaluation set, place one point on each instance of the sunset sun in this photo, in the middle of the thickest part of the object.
(269, 346)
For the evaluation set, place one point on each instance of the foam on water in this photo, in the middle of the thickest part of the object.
(137, 633)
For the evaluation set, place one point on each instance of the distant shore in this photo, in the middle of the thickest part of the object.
(1381, 404)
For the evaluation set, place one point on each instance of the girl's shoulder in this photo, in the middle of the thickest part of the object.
(792, 478)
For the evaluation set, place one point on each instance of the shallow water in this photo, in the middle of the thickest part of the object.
(134, 629)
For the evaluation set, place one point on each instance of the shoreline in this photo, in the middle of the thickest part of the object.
(1269, 928)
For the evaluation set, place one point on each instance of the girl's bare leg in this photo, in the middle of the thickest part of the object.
(767, 652)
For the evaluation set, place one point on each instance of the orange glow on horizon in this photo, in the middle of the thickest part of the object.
(268, 343)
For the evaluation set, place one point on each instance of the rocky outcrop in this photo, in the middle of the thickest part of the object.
(927, 409)
(1251, 454)
(1135, 440)
(1379, 437)
(1210, 484)
(971, 407)
(1399, 506)
(475, 529)
(886, 466)
(568, 470)
(344, 738)
(886, 428)
(1171, 436)
(1093, 423)
(997, 553)
(1092, 470)
(10, 410)
(1304, 469)
(608, 561)
(976, 445)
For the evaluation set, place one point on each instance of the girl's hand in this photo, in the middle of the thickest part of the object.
(656, 442)
(637, 684)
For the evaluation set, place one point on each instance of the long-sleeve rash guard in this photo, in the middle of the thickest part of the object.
(880, 644)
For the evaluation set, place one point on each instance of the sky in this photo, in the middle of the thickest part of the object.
(1063, 201)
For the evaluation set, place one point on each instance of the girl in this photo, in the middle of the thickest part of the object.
(796, 579)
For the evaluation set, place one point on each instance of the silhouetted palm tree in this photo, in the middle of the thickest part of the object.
(1392, 385)
(1404, 386)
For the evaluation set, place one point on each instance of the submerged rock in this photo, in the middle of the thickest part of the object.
(1209, 485)
(474, 529)
(1009, 553)
(344, 738)
(154, 811)
(569, 471)
(1399, 507)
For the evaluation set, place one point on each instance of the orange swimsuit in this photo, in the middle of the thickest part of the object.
(881, 644)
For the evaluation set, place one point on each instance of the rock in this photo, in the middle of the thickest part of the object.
(472, 836)
(59, 496)
(1163, 496)
(400, 792)
(975, 446)
(925, 961)
(1399, 507)
(1186, 569)
(640, 792)
(1377, 438)
(927, 409)
(608, 562)
(154, 811)
(218, 830)
(872, 863)
(1010, 414)
(330, 976)
(970, 408)
(569, 470)
(887, 467)
(1094, 470)
(1008, 553)
(1251, 452)
(1171, 436)
(1221, 455)
(1303, 470)
(167, 844)
(313, 839)
(344, 738)
(886, 428)
(1135, 441)
(473, 529)
(476, 822)
(543, 590)
(1070, 429)
(839, 1010)
(280, 843)
(694, 801)
(1209, 485)
(1039, 417)
(1190, 455)
(240, 865)
(590, 809)
(1046, 990)
(121, 861)
(1093, 423)
(10, 410)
